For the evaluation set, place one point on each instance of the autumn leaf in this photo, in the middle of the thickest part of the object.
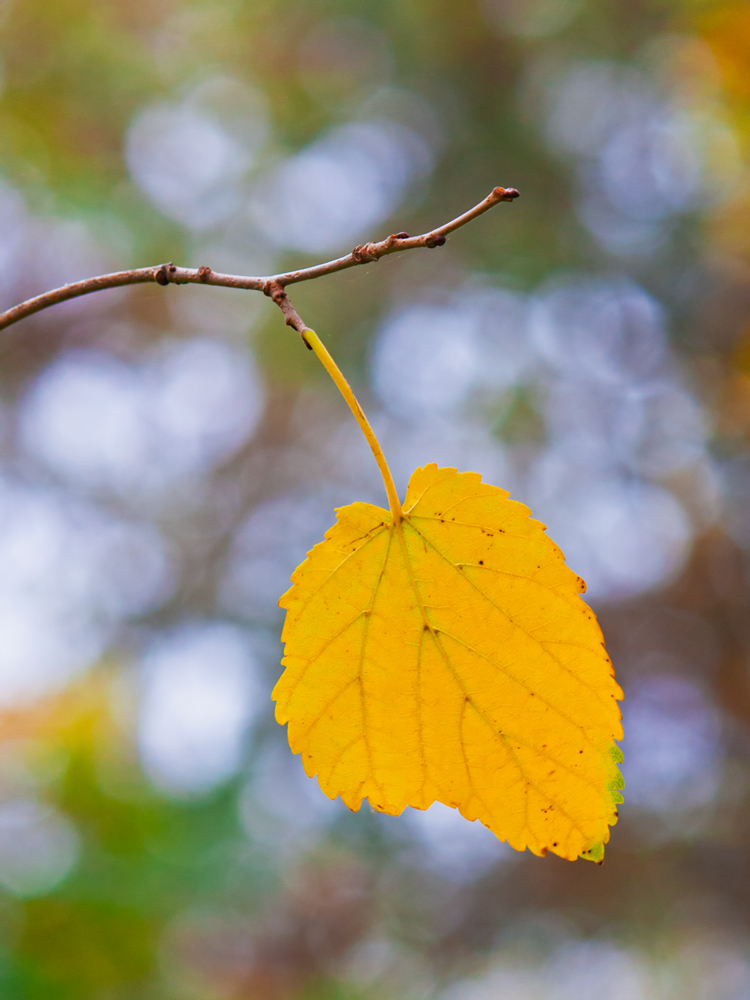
(443, 653)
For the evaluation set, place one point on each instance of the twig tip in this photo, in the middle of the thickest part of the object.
(506, 194)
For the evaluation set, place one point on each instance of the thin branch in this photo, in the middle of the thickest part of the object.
(276, 292)
(170, 274)
(369, 252)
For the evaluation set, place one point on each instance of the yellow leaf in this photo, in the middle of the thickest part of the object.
(444, 654)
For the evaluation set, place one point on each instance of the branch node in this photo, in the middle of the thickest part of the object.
(204, 272)
(163, 275)
(392, 239)
(506, 194)
(275, 291)
(365, 254)
(435, 241)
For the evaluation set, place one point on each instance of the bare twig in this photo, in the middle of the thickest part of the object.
(276, 292)
(170, 274)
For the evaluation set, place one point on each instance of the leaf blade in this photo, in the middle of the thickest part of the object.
(449, 657)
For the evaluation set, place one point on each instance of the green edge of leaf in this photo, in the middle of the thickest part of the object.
(594, 853)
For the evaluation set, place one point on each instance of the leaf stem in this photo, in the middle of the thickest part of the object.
(346, 391)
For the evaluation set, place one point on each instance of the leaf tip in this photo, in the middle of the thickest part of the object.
(594, 852)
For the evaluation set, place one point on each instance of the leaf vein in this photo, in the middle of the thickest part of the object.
(501, 736)
(369, 537)
(511, 676)
(365, 632)
(317, 656)
(533, 638)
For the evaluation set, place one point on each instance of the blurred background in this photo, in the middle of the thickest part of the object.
(167, 456)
